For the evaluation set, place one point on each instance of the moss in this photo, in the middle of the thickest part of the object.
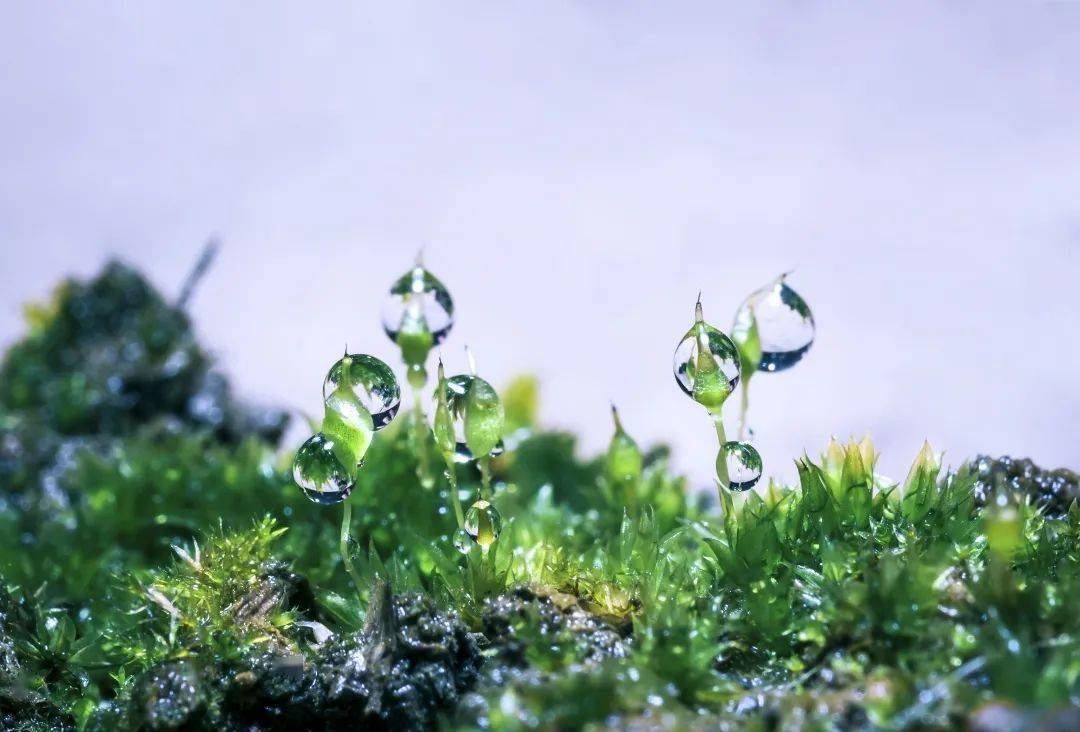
(160, 571)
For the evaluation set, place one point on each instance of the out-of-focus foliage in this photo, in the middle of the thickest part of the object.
(160, 571)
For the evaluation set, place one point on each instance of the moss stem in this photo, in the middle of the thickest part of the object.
(346, 527)
(484, 464)
(721, 436)
(455, 499)
(744, 405)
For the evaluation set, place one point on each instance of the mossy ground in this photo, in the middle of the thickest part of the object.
(161, 571)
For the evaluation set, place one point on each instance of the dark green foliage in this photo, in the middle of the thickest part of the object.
(161, 571)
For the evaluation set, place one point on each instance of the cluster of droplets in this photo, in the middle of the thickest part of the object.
(468, 427)
(360, 397)
(708, 367)
(773, 330)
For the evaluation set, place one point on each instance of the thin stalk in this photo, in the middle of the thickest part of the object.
(455, 499)
(744, 405)
(721, 436)
(420, 433)
(484, 464)
(346, 524)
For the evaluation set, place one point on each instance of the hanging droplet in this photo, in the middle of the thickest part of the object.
(476, 415)
(417, 316)
(319, 472)
(743, 464)
(371, 381)
(462, 541)
(706, 363)
(774, 327)
(483, 524)
(623, 456)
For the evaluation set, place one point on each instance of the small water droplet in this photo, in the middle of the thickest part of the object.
(462, 541)
(784, 325)
(483, 523)
(743, 465)
(319, 473)
(418, 313)
(371, 381)
(706, 364)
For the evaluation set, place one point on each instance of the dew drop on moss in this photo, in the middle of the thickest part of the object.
(483, 523)
(371, 381)
(319, 472)
(418, 314)
(477, 416)
(783, 322)
(743, 465)
(462, 541)
(706, 363)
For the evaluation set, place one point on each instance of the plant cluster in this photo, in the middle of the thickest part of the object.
(164, 567)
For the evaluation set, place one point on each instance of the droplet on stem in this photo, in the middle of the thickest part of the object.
(743, 464)
(319, 472)
(417, 316)
(483, 524)
(774, 327)
(371, 381)
(706, 363)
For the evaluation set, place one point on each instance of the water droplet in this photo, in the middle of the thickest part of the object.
(476, 414)
(462, 541)
(483, 523)
(320, 473)
(706, 363)
(774, 325)
(371, 381)
(418, 314)
(743, 465)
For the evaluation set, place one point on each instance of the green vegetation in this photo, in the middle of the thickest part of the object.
(160, 569)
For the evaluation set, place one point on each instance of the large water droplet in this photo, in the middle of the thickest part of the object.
(418, 313)
(743, 464)
(783, 322)
(371, 381)
(477, 416)
(483, 523)
(319, 472)
(706, 365)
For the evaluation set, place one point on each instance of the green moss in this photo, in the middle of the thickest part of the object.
(160, 570)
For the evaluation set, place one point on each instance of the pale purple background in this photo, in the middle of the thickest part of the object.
(577, 172)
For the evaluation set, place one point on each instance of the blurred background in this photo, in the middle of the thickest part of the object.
(576, 172)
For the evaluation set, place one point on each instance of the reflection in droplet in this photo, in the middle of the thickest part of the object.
(783, 322)
(743, 463)
(483, 523)
(319, 473)
(371, 381)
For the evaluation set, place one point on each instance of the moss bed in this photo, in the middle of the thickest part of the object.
(159, 570)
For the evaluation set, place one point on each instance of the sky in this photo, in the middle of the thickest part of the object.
(576, 172)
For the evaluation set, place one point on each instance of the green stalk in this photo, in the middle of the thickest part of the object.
(455, 500)
(420, 432)
(721, 436)
(484, 464)
(744, 405)
(346, 523)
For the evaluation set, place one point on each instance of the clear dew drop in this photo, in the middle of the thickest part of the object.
(419, 307)
(463, 542)
(712, 384)
(371, 381)
(477, 417)
(743, 465)
(483, 524)
(785, 325)
(319, 472)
